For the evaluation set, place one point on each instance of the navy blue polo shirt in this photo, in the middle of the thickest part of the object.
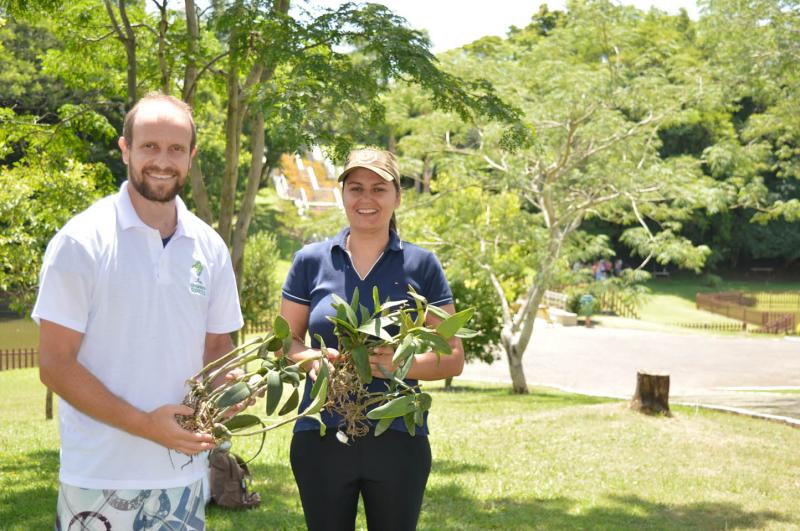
(322, 269)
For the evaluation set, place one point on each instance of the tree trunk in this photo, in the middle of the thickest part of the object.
(519, 385)
(249, 199)
(652, 394)
(48, 405)
(199, 192)
(427, 174)
(448, 384)
(232, 146)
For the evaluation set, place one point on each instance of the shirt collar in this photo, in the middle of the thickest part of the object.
(340, 240)
(128, 217)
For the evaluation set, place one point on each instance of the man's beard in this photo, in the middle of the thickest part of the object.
(159, 194)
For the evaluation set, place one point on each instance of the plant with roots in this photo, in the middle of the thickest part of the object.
(213, 404)
(395, 324)
(342, 389)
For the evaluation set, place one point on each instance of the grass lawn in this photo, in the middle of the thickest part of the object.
(547, 460)
(18, 332)
(673, 300)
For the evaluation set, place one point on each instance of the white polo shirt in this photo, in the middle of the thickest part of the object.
(144, 310)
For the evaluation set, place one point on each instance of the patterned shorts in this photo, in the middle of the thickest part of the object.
(178, 509)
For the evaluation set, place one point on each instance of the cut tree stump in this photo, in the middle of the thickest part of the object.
(652, 394)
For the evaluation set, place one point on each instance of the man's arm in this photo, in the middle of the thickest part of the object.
(217, 345)
(60, 370)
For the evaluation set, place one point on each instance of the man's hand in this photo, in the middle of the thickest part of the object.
(163, 428)
(381, 357)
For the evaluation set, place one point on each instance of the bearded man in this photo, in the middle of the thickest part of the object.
(136, 294)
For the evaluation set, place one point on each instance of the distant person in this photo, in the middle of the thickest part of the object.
(390, 471)
(618, 267)
(136, 294)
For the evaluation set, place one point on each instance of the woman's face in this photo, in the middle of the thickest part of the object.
(369, 200)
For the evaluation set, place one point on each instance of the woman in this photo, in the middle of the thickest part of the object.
(389, 471)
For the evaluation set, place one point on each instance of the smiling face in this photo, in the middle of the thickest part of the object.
(160, 155)
(369, 200)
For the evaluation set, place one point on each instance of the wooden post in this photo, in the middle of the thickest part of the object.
(48, 405)
(652, 394)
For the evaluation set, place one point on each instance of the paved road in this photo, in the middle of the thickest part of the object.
(702, 368)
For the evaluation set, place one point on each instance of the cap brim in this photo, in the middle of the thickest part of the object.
(383, 174)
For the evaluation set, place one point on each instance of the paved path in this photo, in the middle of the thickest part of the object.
(703, 368)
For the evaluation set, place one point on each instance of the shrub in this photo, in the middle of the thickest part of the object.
(259, 288)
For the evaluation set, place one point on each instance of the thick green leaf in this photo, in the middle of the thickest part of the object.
(466, 333)
(365, 315)
(287, 345)
(438, 312)
(402, 371)
(322, 427)
(321, 376)
(382, 426)
(437, 342)
(274, 390)
(452, 324)
(393, 409)
(233, 395)
(419, 417)
(404, 349)
(354, 302)
(290, 377)
(240, 422)
(424, 401)
(343, 323)
(281, 327)
(360, 356)
(348, 311)
(275, 344)
(319, 401)
(376, 300)
(408, 418)
(291, 404)
(374, 328)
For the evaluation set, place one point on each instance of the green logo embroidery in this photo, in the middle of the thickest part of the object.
(197, 267)
(196, 286)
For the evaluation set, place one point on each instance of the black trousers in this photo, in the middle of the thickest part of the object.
(389, 471)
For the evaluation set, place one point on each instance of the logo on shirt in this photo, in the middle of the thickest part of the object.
(196, 285)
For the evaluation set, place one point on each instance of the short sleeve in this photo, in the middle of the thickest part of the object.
(437, 290)
(66, 284)
(224, 311)
(296, 287)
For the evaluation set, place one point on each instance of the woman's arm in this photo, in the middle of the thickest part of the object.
(427, 366)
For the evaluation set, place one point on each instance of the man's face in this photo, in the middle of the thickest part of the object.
(159, 158)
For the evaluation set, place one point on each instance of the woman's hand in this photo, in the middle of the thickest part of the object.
(331, 354)
(381, 358)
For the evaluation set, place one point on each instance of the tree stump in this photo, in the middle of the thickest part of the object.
(652, 394)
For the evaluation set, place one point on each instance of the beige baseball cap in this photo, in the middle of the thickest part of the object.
(381, 162)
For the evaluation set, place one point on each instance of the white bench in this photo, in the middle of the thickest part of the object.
(563, 317)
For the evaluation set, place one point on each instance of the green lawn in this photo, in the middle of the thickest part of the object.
(673, 300)
(18, 332)
(548, 460)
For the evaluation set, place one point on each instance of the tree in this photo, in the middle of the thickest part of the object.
(280, 77)
(596, 91)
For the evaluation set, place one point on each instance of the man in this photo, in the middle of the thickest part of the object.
(136, 295)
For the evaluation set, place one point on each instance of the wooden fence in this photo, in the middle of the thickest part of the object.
(741, 306)
(18, 358)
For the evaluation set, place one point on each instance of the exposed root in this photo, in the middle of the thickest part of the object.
(348, 397)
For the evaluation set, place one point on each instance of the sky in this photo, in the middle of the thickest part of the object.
(453, 23)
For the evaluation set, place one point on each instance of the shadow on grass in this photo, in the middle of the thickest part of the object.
(280, 503)
(451, 507)
(28, 491)
(446, 466)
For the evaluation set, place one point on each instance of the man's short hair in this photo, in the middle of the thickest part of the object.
(127, 126)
